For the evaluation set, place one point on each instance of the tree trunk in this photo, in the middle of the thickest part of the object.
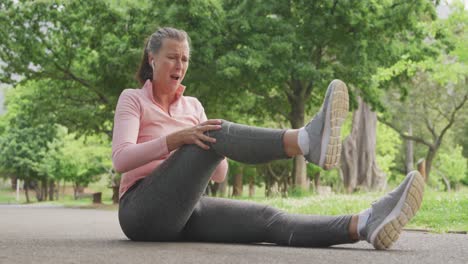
(115, 194)
(51, 189)
(57, 190)
(251, 187)
(38, 190)
(26, 188)
(358, 162)
(429, 159)
(63, 188)
(300, 173)
(317, 180)
(44, 189)
(268, 183)
(75, 191)
(296, 118)
(223, 188)
(285, 185)
(237, 188)
(13, 182)
(409, 160)
(214, 189)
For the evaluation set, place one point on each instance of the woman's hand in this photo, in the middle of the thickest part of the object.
(193, 135)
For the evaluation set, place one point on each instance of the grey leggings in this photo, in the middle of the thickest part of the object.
(168, 204)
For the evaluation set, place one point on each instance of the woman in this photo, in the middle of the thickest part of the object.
(169, 151)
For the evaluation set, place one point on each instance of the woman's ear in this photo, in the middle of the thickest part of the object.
(151, 61)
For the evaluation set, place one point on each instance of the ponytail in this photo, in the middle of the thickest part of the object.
(145, 72)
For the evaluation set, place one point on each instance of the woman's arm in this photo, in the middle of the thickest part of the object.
(126, 153)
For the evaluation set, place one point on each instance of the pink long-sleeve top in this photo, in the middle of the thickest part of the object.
(140, 129)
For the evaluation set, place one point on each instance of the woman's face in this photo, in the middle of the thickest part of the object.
(170, 64)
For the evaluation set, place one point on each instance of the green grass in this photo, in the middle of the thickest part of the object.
(440, 211)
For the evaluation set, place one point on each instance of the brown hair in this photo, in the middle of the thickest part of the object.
(153, 44)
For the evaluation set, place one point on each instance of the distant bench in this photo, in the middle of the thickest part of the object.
(97, 196)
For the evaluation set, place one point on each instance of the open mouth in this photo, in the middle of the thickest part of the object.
(175, 77)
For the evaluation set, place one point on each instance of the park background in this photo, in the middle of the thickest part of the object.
(63, 65)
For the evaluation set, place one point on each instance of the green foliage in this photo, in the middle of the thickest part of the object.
(312, 169)
(387, 148)
(330, 178)
(452, 165)
(262, 63)
(84, 51)
(24, 141)
(432, 92)
(333, 179)
(78, 160)
(281, 51)
(32, 148)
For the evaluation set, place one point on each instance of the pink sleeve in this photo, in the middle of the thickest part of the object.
(126, 153)
(220, 172)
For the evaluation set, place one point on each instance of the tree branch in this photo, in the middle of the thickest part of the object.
(288, 91)
(83, 82)
(71, 75)
(405, 136)
(452, 119)
(428, 124)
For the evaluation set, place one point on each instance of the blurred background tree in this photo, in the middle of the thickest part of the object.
(264, 63)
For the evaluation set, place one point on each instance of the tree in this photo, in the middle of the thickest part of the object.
(285, 53)
(267, 60)
(433, 111)
(452, 167)
(24, 141)
(277, 177)
(80, 160)
(85, 52)
(438, 89)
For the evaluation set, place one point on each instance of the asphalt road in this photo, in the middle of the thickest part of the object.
(61, 235)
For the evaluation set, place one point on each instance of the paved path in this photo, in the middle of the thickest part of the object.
(61, 235)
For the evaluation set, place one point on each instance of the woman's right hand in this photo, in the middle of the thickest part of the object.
(193, 135)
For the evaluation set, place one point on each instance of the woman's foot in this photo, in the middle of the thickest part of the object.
(387, 216)
(324, 130)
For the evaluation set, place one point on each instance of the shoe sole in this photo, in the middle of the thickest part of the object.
(336, 113)
(389, 230)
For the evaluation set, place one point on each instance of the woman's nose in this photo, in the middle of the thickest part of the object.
(178, 64)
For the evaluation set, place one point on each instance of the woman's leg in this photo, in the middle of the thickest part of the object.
(232, 221)
(223, 220)
(157, 207)
(160, 205)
